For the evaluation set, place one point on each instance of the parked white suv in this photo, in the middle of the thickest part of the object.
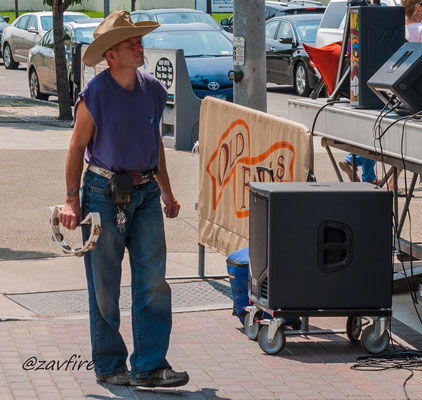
(334, 19)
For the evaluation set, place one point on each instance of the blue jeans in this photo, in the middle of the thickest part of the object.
(151, 296)
(368, 167)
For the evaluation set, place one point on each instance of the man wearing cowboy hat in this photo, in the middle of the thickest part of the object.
(117, 131)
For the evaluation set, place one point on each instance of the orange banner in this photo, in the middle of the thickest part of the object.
(231, 148)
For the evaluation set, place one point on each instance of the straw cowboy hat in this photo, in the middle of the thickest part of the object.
(116, 28)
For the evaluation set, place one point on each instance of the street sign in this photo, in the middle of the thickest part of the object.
(222, 6)
(238, 50)
(162, 64)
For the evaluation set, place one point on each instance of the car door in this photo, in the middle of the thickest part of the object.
(16, 42)
(38, 60)
(282, 51)
(31, 36)
(271, 28)
(48, 63)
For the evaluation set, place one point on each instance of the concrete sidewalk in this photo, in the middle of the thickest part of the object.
(48, 360)
(210, 345)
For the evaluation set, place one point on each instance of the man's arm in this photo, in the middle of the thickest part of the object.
(171, 205)
(82, 134)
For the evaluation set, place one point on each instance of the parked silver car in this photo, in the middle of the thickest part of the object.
(41, 62)
(25, 32)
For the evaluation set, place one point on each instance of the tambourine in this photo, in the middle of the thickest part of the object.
(92, 219)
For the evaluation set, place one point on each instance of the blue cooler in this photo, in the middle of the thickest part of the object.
(237, 268)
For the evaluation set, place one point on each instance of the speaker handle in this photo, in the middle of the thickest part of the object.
(340, 248)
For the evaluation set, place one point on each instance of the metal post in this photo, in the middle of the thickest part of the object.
(333, 161)
(396, 200)
(405, 209)
(249, 24)
(106, 8)
(201, 260)
(209, 7)
(354, 168)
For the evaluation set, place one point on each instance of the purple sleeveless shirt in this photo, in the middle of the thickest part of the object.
(127, 136)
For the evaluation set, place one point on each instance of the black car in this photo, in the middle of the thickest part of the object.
(3, 23)
(287, 61)
(277, 9)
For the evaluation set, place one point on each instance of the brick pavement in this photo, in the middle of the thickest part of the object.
(222, 363)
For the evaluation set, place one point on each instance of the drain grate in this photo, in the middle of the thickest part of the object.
(198, 295)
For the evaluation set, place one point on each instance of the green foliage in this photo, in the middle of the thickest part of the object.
(98, 14)
(93, 14)
(219, 16)
(11, 14)
(71, 2)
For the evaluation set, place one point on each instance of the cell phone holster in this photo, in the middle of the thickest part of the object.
(121, 187)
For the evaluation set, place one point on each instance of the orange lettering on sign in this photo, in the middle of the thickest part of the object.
(232, 158)
(230, 148)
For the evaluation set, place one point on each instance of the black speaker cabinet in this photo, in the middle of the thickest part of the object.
(376, 33)
(401, 76)
(320, 246)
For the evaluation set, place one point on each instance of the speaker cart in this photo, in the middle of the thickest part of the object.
(319, 250)
(271, 333)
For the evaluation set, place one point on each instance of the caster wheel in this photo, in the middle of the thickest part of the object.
(252, 331)
(297, 324)
(371, 345)
(276, 345)
(354, 328)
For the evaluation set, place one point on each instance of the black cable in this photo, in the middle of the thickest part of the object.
(410, 218)
(378, 126)
(409, 360)
(412, 291)
(378, 135)
(330, 103)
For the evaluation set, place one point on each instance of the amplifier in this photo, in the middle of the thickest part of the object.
(315, 246)
(401, 76)
(376, 33)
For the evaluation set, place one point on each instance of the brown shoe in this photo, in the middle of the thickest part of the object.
(348, 169)
(163, 377)
(122, 379)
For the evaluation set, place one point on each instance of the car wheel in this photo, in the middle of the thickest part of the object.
(9, 63)
(301, 80)
(34, 87)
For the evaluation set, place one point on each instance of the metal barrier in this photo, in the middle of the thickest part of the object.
(180, 122)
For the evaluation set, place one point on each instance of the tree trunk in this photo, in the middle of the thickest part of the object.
(16, 8)
(63, 91)
(132, 5)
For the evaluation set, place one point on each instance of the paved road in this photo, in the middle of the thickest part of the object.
(15, 82)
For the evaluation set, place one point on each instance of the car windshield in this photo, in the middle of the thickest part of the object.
(1, 19)
(193, 43)
(177, 18)
(85, 35)
(47, 21)
(308, 30)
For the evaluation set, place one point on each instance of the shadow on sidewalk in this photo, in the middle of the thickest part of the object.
(121, 393)
(8, 254)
